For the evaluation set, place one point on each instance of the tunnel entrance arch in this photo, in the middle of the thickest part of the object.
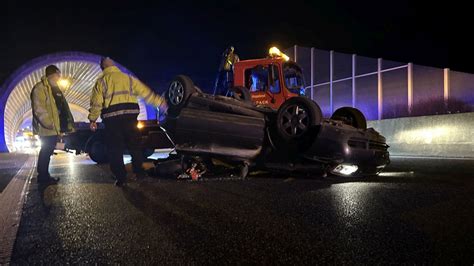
(81, 69)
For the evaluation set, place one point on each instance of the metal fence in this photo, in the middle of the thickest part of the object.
(382, 88)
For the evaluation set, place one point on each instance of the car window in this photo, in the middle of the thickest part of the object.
(294, 79)
(256, 79)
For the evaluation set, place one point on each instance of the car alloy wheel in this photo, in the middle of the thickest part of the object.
(176, 93)
(295, 120)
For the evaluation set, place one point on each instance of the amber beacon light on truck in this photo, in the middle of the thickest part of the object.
(275, 52)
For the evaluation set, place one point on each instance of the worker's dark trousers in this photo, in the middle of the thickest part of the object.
(121, 132)
(48, 143)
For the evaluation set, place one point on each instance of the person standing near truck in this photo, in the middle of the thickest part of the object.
(225, 73)
(114, 99)
(51, 118)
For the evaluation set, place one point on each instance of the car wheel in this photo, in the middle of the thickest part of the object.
(350, 116)
(178, 93)
(296, 116)
(98, 152)
(241, 94)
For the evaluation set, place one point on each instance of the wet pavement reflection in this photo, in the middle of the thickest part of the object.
(418, 212)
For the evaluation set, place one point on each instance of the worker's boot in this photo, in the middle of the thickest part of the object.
(120, 182)
(47, 179)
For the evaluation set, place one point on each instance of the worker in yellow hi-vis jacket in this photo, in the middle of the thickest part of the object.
(114, 98)
(51, 118)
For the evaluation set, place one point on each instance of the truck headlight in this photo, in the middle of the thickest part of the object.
(140, 125)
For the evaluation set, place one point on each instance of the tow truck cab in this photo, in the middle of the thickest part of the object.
(270, 81)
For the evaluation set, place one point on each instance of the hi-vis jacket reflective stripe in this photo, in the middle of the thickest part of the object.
(117, 88)
(46, 120)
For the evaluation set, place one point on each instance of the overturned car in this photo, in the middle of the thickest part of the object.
(294, 137)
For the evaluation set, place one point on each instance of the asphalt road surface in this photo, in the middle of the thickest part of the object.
(418, 211)
(10, 163)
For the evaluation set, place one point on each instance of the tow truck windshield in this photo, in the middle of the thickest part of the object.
(294, 78)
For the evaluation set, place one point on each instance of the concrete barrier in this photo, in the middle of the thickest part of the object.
(449, 135)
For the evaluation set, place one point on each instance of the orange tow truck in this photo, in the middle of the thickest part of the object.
(271, 81)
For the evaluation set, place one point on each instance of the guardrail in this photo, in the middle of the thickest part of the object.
(450, 135)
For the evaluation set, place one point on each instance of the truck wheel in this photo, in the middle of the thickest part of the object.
(350, 116)
(98, 152)
(296, 116)
(178, 93)
(241, 94)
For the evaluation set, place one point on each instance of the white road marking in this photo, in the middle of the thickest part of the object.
(12, 199)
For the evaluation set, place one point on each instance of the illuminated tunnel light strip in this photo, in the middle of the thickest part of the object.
(18, 102)
(82, 69)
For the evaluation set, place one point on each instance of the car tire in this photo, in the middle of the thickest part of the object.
(98, 152)
(179, 91)
(241, 94)
(350, 116)
(295, 118)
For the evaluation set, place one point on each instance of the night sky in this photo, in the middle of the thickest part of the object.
(158, 41)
